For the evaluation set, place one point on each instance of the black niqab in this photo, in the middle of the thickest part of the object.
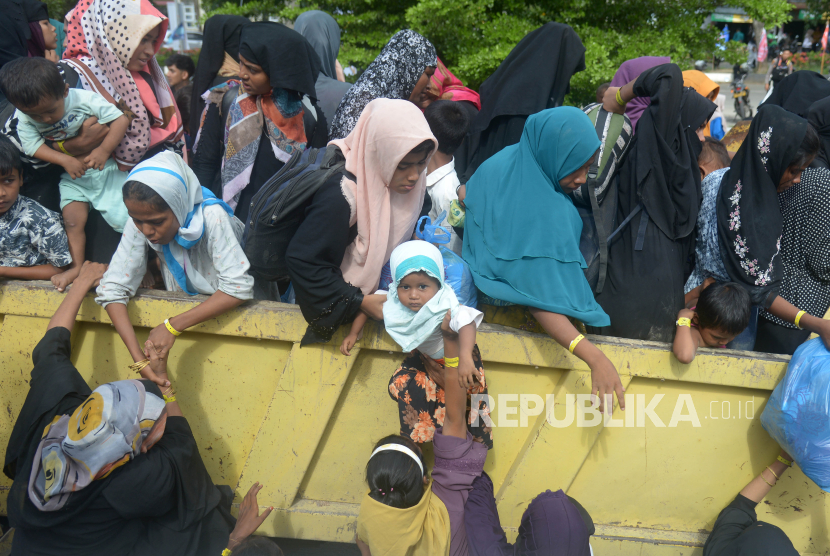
(666, 170)
(14, 31)
(221, 33)
(819, 116)
(536, 75)
(750, 222)
(284, 54)
(35, 10)
(798, 91)
(647, 260)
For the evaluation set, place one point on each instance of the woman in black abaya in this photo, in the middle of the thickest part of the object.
(218, 60)
(798, 91)
(536, 75)
(110, 471)
(659, 188)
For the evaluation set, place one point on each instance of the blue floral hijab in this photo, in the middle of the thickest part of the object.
(521, 236)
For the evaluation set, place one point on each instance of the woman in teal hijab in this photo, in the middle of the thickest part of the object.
(521, 236)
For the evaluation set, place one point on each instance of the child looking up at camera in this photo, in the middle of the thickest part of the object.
(417, 303)
(48, 110)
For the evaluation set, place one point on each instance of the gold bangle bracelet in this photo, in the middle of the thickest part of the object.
(765, 480)
(138, 366)
(773, 473)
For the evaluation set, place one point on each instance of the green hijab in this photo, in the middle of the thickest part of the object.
(521, 237)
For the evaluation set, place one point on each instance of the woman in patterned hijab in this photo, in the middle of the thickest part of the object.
(400, 71)
(111, 44)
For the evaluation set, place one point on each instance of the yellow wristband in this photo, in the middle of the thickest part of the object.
(451, 362)
(138, 366)
(172, 330)
(798, 317)
(226, 552)
(784, 461)
(62, 148)
(619, 97)
(574, 342)
(169, 399)
(683, 321)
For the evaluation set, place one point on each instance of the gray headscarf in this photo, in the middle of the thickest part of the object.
(322, 31)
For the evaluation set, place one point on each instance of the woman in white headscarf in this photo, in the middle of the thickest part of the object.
(196, 238)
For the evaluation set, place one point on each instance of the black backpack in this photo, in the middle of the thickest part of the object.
(278, 209)
(596, 200)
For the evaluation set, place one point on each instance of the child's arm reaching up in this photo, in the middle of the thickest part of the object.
(686, 340)
(455, 395)
(466, 367)
(99, 155)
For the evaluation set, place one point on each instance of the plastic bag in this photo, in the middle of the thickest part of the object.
(457, 274)
(797, 415)
(456, 271)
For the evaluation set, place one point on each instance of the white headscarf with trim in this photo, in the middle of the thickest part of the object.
(169, 176)
(407, 327)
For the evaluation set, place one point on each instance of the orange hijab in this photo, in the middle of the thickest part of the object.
(704, 86)
(385, 133)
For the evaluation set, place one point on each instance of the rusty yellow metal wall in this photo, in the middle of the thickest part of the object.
(302, 421)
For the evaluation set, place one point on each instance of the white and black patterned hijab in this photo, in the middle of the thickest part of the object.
(392, 75)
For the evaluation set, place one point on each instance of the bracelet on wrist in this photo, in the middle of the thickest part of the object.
(170, 328)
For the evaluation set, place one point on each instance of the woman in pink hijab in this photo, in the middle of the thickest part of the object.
(630, 70)
(356, 219)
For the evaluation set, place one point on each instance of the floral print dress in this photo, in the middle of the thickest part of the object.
(421, 403)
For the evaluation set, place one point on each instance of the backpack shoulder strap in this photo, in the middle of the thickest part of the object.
(593, 171)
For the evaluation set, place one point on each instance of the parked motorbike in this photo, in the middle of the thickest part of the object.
(740, 92)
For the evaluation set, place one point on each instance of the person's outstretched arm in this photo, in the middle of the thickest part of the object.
(605, 381)
(37, 272)
(66, 314)
(760, 486)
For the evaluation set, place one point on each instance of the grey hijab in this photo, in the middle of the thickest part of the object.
(321, 30)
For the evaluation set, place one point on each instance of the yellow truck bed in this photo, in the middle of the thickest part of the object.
(302, 421)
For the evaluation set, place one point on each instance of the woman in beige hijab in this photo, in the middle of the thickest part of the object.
(355, 220)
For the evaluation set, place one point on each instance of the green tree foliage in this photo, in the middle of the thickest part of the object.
(473, 36)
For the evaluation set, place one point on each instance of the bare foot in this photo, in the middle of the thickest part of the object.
(149, 281)
(64, 279)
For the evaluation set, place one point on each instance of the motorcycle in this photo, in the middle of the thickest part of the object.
(740, 92)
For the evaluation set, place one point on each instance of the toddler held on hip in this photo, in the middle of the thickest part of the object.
(48, 110)
(416, 305)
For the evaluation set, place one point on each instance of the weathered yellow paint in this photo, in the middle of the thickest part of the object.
(303, 420)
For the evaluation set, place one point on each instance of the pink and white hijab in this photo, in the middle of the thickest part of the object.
(101, 38)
